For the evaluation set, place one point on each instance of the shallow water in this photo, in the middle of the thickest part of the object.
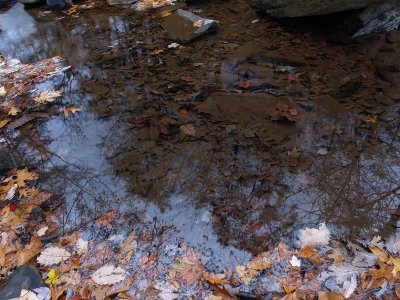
(268, 157)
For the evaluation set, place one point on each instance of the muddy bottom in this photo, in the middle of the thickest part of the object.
(234, 141)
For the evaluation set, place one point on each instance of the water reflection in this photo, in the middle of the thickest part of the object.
(245, 181)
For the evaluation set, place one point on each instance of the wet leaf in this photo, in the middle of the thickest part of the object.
(106, 219)
(47, 96)
(330, 296)
(13, 111)
(109, 275)
(2, 256)
(215, 279)
(70, 109)
(246, 274)
(4, 122)
(53, 256)
(52, 277)
(381, 254)
(188, 130)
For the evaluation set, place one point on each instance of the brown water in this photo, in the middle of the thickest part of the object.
(269, 155)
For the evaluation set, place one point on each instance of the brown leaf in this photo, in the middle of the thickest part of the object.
(188, 129)
(127, 249)
(384, 271)
(2, 256)
(215, 279)
(106, 219)
(330, 296)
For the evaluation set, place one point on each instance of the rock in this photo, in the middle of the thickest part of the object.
(185, 26)
(58, 4)
(24, 277)
(384, 17)
(301, 8)
(28, 2)
(7, 163)
(121, 2)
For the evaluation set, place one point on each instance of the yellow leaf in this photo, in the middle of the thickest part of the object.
(381, 254)
(4, 123)
(245, 274)
(52, 277)
(156, 52)
(28, 192)
(70, 109)
(396, 265)
(165, 14)
(13, 111)
(47, 96)
(22, 176)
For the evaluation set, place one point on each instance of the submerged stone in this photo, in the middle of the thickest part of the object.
(185, 26)
(301, 8)
(24, 277)
(121, 2)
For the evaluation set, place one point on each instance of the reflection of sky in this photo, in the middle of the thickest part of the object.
(17, 28)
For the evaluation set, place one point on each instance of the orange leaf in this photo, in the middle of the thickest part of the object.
(245, 84)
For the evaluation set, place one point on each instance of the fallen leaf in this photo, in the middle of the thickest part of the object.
(47, 96)
(246, 274)
(2, 91)
(4, 122)
(13, 111)
(52, 277)
(215, 279)
(108, 274)
(106, 219)
(70, 109)
(42, 231)
(188, 130)
(2, 256)
(245, 84)
(330, 296)
(53, 256)
(198, 23)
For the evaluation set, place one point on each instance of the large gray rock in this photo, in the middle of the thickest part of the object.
(25, 277)
(300, 8)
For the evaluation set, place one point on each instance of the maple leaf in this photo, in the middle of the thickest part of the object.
(23, 175)
(47, 96)
(13, 111)
(28, 192)
(108, 274)
(53, 256)
(70, 109)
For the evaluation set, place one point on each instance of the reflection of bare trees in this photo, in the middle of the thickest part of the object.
(262, 180)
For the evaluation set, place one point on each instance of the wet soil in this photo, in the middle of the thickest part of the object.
(234, 140)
